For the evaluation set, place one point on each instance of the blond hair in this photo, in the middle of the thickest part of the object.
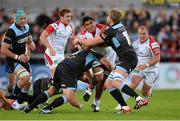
(115, 15)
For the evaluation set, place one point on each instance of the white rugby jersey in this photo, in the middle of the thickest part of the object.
(104, 51)
(146, 51)
(88, 35)
(59, 35)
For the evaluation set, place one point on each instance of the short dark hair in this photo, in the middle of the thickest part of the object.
(86, 18)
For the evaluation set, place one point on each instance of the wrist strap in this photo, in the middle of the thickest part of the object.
(147, 65)
(17, 57)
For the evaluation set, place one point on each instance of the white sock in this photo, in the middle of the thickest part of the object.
(96, 102)
(139, 98)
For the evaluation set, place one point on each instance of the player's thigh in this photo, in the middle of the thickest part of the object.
(150, 78)
(98, 73)
(52, 61)
(22, 72)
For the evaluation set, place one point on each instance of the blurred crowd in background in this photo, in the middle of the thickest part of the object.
(165, 28)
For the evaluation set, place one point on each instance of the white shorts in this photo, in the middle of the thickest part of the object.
(150, 76)
(52, 61)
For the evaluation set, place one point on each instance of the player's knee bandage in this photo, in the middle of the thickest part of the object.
(23, 73)
(116, 76)
(111, 89)
(99, 72)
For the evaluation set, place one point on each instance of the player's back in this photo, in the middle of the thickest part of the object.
(118, 38)
(80, 61)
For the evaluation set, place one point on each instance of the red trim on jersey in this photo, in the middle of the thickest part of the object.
(58, 22)
(154, 46)
(102, 27)
(49, 29)
(48, 59)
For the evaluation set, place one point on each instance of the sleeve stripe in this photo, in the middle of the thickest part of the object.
(49, 29)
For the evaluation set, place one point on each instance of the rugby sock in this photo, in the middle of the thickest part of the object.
(57, 102)
(118, 97)
(127, 90)
(23, 94)
(42, 97)
(27, 98)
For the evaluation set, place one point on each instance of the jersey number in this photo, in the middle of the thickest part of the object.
(125, 34)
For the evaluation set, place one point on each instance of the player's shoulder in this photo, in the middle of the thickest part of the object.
(152, 42)
(101, 26)
(55, 24)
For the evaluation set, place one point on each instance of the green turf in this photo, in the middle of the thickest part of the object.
(164, 105)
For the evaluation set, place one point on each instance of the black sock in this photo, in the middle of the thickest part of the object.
(20, 100)
(42, 97)
(118, 97)
(17, 90)
(27, 98)
(127, 90)
(57, 102)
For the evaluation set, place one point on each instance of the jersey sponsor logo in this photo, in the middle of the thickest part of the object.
(22, 40)
(154, 45)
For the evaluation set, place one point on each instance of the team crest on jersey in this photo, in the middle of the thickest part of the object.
(154, 45)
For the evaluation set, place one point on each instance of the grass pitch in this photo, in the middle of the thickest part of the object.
(164, 105)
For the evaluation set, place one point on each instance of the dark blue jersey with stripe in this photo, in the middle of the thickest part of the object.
(17, 38)
(80, 61)
(117, 37)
